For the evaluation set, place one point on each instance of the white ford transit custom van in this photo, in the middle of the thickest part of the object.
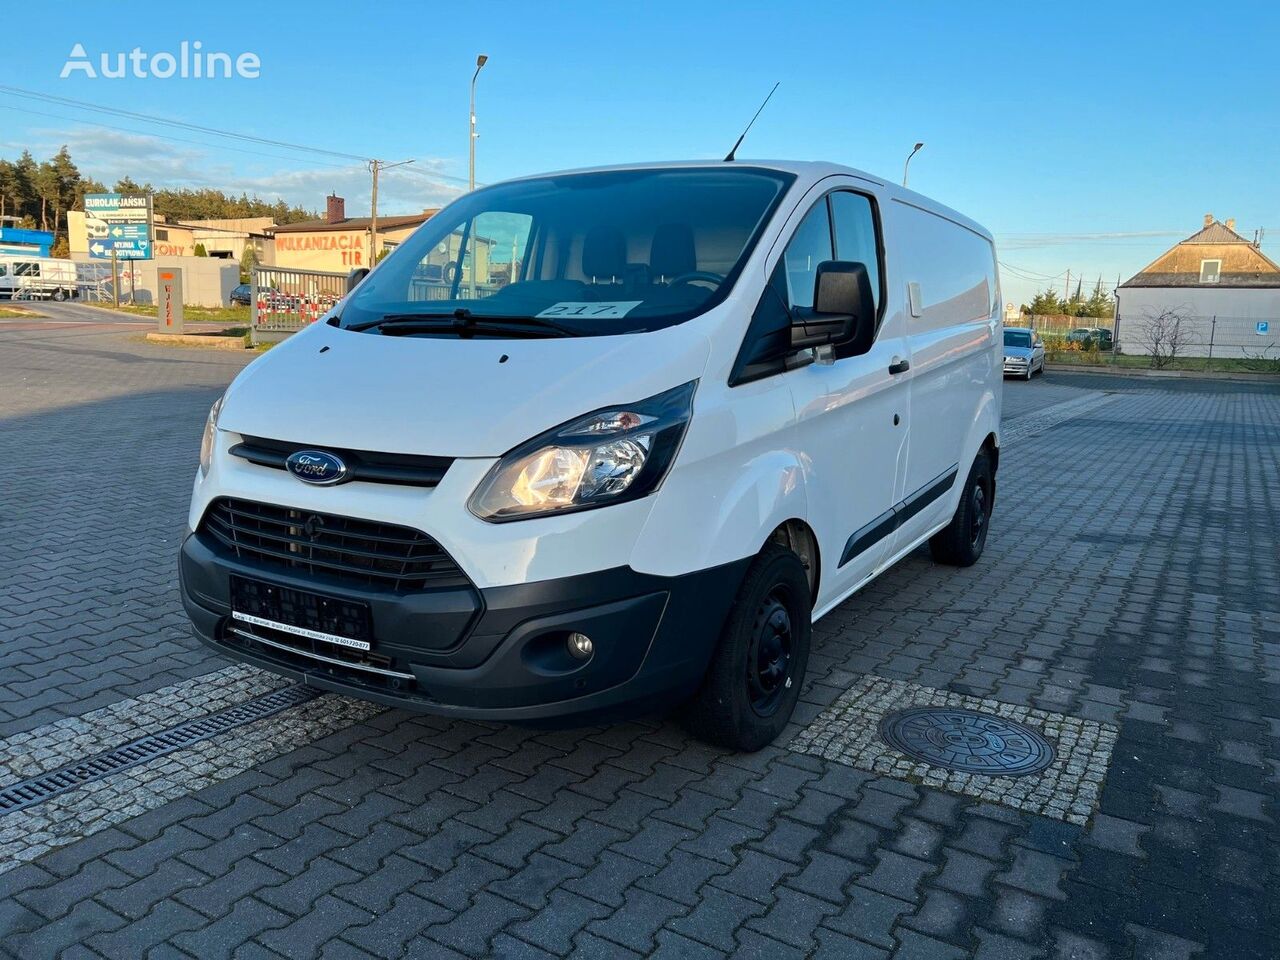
(597, 442)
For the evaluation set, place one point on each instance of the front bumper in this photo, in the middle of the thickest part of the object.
(496, 653)
(1016, 365)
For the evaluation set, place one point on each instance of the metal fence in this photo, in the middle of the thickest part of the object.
(283, 300)
(93, 282)
(1211, 337)
(1061, 323)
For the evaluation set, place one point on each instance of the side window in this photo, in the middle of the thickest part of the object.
(491, 249)
(855, 231)
(810, 246)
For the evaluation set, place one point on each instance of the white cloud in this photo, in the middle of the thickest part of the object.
(110, 155)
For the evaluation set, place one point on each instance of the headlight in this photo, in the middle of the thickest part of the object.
(206, 442)
(610, 456)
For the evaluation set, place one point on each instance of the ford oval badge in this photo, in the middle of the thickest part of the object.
(316, 466)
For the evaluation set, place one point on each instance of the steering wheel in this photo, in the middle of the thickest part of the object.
(693, 276)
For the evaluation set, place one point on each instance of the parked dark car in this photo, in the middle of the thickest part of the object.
(242, 295)
(1090, 337)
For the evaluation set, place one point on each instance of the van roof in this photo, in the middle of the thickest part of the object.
(808, 172)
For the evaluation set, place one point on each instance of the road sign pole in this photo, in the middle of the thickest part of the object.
(115, 281)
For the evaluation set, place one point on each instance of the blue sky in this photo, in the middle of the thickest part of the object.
(1087, 137)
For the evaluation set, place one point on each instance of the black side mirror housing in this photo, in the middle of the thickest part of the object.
(355, 276)
(843, 309)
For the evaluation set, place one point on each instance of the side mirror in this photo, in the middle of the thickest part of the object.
(843, 309)
(355, 276)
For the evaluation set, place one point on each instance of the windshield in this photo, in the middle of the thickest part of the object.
(1017, 338)
(595, 253)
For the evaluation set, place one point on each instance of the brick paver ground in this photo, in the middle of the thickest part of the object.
(1130, 580)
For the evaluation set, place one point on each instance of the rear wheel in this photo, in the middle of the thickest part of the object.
(59, 295)
(960, 543)
(754, 679)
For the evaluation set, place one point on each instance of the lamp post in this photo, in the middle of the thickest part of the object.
(471, 166)
(914, 151)
(471, 170)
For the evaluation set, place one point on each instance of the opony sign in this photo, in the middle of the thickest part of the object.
(119, 223)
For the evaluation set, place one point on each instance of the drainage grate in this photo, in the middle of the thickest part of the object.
(145, 749)
(967, 741)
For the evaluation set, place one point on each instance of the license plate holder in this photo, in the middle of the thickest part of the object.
(304, 614)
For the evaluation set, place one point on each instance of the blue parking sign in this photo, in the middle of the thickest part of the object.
(1264, 327)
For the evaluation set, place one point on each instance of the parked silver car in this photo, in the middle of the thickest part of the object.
(1023, 352)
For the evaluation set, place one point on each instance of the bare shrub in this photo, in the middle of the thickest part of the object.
(1167, 335)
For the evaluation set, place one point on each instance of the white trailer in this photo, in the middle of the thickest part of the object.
(36, 278)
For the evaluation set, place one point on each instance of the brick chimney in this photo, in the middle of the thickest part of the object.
(1208, 219)
(336, 210)
(1231, 223)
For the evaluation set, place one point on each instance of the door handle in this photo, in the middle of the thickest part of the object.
(899, 366)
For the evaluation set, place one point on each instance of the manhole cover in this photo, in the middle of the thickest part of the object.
(966, 740)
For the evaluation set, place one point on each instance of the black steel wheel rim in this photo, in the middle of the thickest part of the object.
(769, 655)
(977, 514)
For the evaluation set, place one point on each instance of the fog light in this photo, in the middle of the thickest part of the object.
(580, 646)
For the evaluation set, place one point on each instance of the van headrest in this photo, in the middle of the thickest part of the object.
(672, 252)
(604, 254)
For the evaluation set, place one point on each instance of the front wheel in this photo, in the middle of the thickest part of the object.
(960, 542)
(59, 295)
(753, 682)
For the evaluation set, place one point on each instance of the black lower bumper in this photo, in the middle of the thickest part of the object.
(499, 653)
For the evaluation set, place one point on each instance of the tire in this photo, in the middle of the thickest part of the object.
(59, 295)
(960, 543)
(1030, 371)
(758, 667)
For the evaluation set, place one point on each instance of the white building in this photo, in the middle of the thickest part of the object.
(1219, 289)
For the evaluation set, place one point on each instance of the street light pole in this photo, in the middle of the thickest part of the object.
(471, 173)
(471, 165)
(914, 151)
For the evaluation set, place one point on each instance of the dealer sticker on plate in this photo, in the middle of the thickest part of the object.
(301, 631)
(604, 310)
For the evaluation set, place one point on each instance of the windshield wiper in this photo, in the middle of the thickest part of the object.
(463, 321)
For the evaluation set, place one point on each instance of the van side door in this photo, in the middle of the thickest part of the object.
(849, 410)
(948, 274)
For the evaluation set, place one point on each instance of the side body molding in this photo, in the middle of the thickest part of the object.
(898, 514)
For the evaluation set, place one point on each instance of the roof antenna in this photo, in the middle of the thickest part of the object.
(729, 158)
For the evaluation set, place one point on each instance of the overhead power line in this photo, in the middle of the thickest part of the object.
(162, 136)
(165, 121)
(294, 148)
(1028, 274)
(1031, 276)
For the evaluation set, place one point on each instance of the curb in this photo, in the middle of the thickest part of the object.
(1167, 374)
(213, 342)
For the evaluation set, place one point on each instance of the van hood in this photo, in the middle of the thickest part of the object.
(329, 387)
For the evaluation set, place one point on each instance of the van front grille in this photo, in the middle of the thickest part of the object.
(398, 468)
(344, 549)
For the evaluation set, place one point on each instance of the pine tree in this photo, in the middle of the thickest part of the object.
(1100, 305)
(248, 260)
(26, 203)
(1047, 303)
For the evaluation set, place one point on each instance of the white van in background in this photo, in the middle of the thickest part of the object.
(36, 278)
(596, 442)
